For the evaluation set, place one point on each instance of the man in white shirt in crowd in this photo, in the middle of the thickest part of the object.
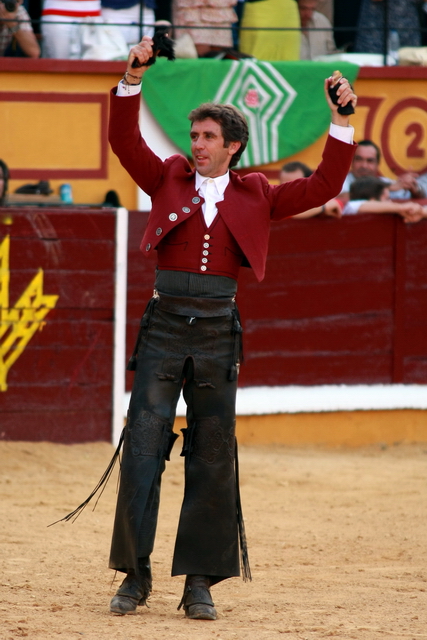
(366, 164)
(314, 43)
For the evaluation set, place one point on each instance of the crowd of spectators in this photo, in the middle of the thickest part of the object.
(372, 195)
(263, 29)
(365, 190)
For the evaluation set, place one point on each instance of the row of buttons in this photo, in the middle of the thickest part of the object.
(205, 252)
(173, 217)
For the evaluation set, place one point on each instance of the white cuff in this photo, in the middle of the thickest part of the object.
(345, 134)
(124, 89)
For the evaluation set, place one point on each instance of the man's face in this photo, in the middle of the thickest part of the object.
(306, 8)
(365, 162)
(288, 176)
(210, 157)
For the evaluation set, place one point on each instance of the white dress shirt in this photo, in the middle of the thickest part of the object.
(212, 190)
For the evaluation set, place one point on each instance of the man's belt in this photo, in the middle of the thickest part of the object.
(194, 307)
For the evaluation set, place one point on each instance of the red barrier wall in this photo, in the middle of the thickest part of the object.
(343, 302)
(60, 387)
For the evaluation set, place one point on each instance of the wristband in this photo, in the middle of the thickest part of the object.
(131, 76)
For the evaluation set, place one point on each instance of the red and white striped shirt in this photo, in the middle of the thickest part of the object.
(72, 8)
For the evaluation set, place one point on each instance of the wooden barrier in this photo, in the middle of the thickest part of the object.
(58, 294)
(343, 302)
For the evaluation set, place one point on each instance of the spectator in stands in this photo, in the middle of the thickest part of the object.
(327, 8)
(62, 26)
(403, 17)
(281, 41)
(130, 13)
(208, 22)
(294, 171)
(366, 163)
(4, 182)
(297, 170)
(371, 195)
(17, 24)
(314, 43)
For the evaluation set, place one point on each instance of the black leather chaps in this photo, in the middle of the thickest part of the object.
(193, 346)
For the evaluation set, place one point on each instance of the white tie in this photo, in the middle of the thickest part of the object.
(211, 198)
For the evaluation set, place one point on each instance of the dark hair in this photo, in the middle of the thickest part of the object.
(369, 143)
(290, 167)
(367, 188)
(3, 194)
(234, 126)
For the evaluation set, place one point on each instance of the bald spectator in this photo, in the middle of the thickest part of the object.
(298, 170)
(314, 43)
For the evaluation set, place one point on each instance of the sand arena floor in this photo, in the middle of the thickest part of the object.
(337, 542)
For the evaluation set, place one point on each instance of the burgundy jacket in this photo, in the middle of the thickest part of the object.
(250, 202)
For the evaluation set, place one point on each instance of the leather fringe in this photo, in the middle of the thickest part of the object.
(99, 487)
(244, 557)
(238, 346)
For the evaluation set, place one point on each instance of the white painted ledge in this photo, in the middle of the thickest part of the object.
(296, 399)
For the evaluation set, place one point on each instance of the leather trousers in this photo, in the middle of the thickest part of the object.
(182, 348)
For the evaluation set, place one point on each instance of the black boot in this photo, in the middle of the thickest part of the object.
(134, 590)
(197, 601)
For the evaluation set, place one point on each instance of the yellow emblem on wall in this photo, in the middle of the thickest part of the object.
(19, 323)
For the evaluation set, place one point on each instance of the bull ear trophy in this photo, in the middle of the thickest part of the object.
(162, 46)
(348, 109)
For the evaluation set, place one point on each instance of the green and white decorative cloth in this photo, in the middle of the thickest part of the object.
(283, 101)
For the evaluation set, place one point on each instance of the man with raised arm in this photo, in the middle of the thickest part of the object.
(205, 224)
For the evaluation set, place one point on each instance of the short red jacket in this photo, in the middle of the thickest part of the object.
(250, 202)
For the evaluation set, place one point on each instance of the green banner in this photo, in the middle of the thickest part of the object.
(283, 101)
